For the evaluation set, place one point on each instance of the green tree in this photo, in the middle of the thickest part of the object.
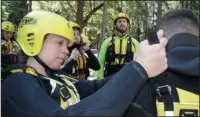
(16, 10)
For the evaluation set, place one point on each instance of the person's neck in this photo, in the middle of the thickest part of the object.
(33, 63)
(120, 34)
(7, 40)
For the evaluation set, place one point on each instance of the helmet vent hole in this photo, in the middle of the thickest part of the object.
(31, 44)
(30, 34)
(30, 39)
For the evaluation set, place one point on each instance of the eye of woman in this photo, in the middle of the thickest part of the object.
(60, 43)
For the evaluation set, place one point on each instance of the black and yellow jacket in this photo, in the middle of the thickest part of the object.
(176, 92)
(8, 46)
(115, 52)
(26, 94)
(8, 52)
(80, 67)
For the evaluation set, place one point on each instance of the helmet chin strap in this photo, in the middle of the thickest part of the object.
(48, 70)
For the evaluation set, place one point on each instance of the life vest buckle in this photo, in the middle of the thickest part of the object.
(164, 89)
(188, 113)
(64, 93)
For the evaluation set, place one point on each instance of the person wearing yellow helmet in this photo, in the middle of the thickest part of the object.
(39, 89)
(8, 29)
(8, 45)
(82, 58)
(118, 49)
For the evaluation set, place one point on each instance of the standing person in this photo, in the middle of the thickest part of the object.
(118, 49)
(176, 92)
(35, 88)
(8, 45)
(81, 58)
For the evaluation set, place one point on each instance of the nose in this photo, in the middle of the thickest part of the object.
(65, 50)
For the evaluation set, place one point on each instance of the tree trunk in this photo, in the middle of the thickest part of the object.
(103, 25)
(30, 6)
(79, 13)
(159, 12)
(184, 3)
(153, 16)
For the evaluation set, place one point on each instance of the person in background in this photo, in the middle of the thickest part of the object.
(8, 46)
(81, 58)
(118, 49)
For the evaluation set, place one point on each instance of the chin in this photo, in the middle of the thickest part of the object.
(56, 67)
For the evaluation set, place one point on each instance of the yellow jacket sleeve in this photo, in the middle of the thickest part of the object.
(135, 42)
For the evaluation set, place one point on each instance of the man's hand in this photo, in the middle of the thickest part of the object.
(75, 53)
(152, 57)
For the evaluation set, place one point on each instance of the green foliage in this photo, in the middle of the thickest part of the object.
(16, 10)
(140, 13)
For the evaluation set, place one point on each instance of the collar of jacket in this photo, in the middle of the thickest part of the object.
(182, 39)
(121, 37)
(125, 34)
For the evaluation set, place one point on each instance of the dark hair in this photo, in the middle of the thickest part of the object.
(179, 21)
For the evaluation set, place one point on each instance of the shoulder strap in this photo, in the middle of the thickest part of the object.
(113, 44)
(129, 54)
(10, 70)
(129, 45)
(25, 69)
(165, 94)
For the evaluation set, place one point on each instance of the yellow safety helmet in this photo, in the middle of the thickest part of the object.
(75, 25)
(35, 25)
(121, 15)
(8, 26)
(85, 39)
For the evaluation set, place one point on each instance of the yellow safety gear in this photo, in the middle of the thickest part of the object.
(8, 26)
(85, 39)
(75, 25)
(36, 25)
(81, 62)
(121, 15)
(120, 49)
(185, 105)
(7, 47)
(80, 68)
(65, 100)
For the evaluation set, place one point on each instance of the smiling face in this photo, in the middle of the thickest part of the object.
(122, 24)
(54, 51)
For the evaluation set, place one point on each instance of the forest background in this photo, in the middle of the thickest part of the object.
(96, 17)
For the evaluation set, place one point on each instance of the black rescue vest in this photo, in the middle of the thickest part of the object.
(62, 91)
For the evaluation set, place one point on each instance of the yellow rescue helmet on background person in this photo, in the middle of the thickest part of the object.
(36, 25)
(85, 39)
(121, 15)
(8, 26)
(75, 25)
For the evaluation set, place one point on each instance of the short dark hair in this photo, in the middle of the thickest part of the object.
(179, 21)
